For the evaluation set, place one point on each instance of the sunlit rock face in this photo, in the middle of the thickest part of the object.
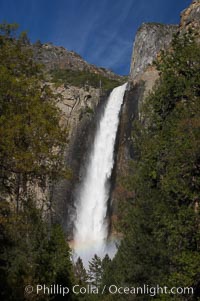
(150, 39)
(57, 57)
(78, 106)
(190, 17)
(153, 37)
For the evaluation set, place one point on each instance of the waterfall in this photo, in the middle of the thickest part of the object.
(90, 233)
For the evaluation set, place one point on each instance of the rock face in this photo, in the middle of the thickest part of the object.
(150, 39)
(80, 108)
(55, 57)
(76, 103)
(190, 17)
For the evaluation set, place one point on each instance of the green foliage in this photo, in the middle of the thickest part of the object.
(83, 78)
(95, 271)
(161, 224)
(32, 253)
(31, 138)
(31, 155)
(179, 76)
(80, 273)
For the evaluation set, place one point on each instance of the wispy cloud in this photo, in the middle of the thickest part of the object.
(102, 40)
(102, 31)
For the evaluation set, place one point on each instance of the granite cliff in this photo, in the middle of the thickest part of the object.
(58, 57)
(190, 17)
(150, 39)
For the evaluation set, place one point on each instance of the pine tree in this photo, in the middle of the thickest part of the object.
(95, 271)
(80, 273)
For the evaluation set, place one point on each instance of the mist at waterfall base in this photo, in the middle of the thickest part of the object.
(91, 225)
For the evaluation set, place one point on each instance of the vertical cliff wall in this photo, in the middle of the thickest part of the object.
(80, 108)
(149, 41)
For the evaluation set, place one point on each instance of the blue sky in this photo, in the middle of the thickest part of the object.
(101, 31)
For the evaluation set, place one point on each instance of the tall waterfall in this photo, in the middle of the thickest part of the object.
(91, 205)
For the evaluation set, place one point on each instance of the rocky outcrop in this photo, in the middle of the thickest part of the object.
(76, 104)
(150, 39)
(190, 17)
(55, 57)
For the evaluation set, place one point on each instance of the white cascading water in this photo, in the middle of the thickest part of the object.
(91, 205)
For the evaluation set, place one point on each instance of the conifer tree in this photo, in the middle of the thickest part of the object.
(80, 273)
(95, 271)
